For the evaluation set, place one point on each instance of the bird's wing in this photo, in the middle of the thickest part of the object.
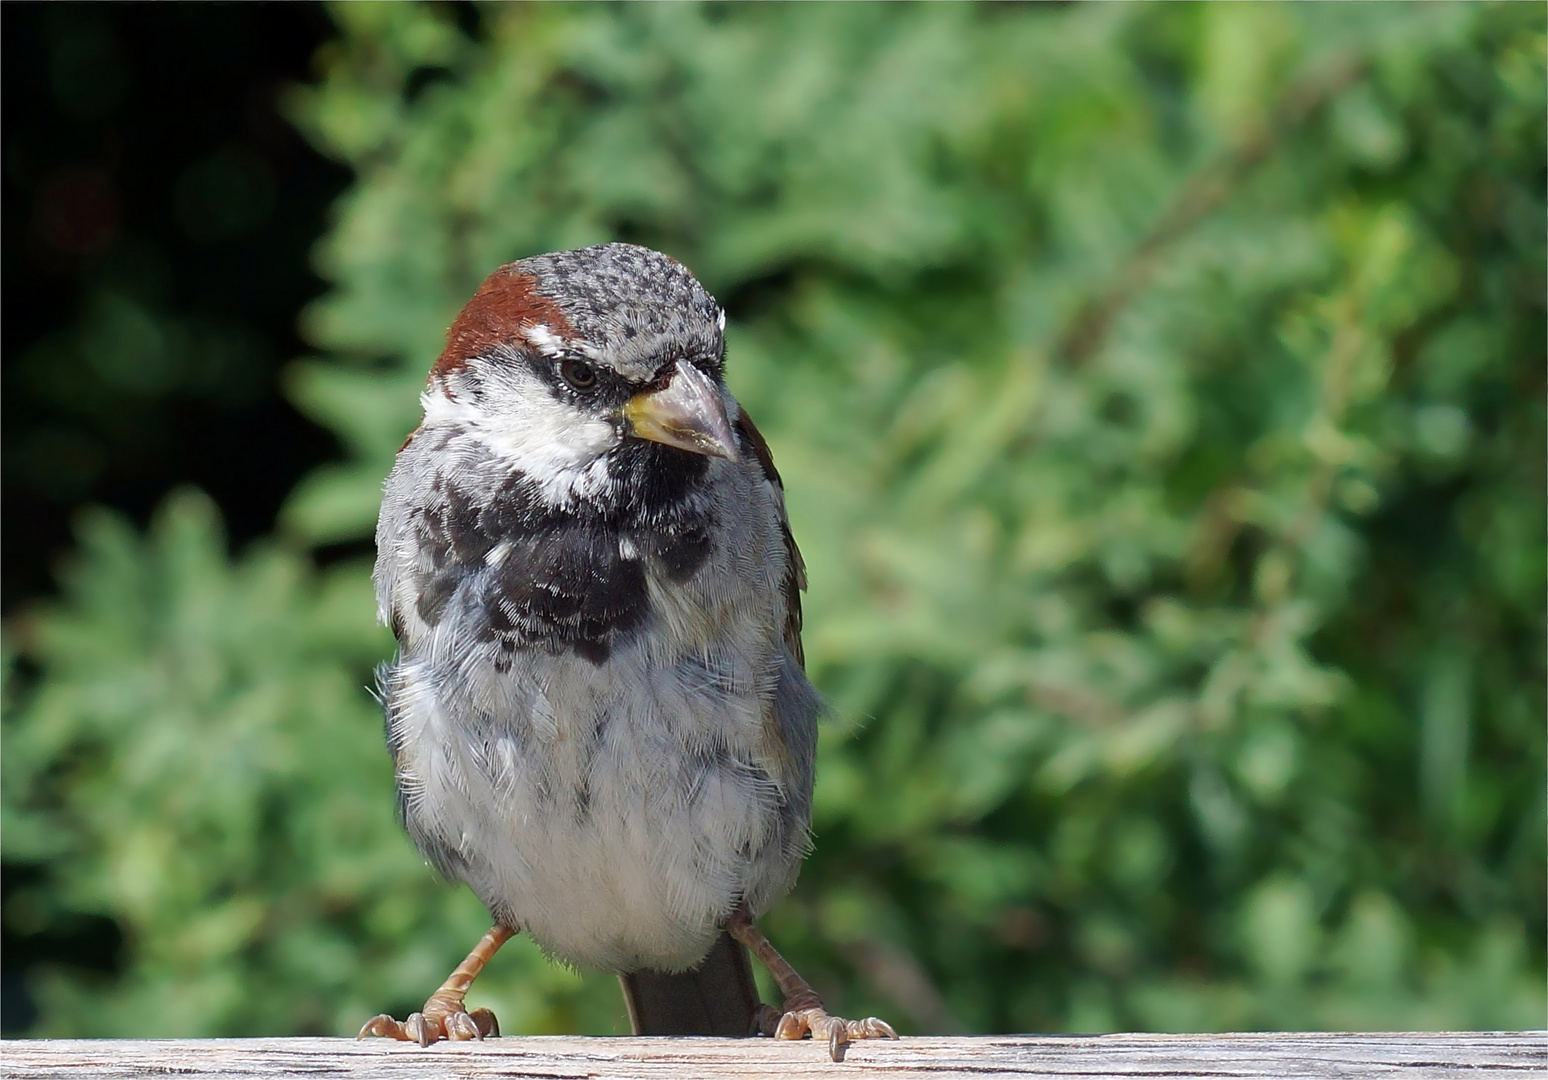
(795, 567)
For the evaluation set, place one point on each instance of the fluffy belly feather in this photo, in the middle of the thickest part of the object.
(617, 813)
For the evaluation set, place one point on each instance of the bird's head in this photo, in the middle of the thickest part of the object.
(563, 362)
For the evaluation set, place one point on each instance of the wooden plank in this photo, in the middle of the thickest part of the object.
(1405, 1056)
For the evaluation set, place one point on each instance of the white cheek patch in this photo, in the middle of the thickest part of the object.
(551, 442)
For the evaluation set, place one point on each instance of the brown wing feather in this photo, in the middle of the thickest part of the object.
(795, 567)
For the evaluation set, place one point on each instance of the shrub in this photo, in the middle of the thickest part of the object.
(1159, 395)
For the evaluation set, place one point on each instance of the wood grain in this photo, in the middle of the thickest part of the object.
(1405, 1056)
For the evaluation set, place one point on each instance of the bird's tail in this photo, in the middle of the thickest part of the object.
(718, 997)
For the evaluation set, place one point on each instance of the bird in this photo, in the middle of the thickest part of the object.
(598, 714)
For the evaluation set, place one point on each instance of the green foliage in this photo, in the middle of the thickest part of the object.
(1159, 395)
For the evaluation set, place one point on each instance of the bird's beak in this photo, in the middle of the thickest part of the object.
(687, 413)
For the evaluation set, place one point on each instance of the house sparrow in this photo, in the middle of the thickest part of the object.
(598, 715)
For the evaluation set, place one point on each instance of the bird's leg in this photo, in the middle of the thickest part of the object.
(443, 1016)
(804, 1012)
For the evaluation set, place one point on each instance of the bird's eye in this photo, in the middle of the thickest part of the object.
(578, 374)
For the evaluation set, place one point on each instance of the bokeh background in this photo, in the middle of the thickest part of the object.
(1160, 395)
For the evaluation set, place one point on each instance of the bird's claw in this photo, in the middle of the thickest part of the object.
(816, 1021)
(433, 1025)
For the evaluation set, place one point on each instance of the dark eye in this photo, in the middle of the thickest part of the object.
(578, 374)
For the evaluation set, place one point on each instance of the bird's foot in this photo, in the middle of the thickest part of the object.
(804, 1012)
(806, 1016)
(440, 1019)
(444, 1016)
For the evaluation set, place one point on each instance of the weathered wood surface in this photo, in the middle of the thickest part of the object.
(1402, 1056)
